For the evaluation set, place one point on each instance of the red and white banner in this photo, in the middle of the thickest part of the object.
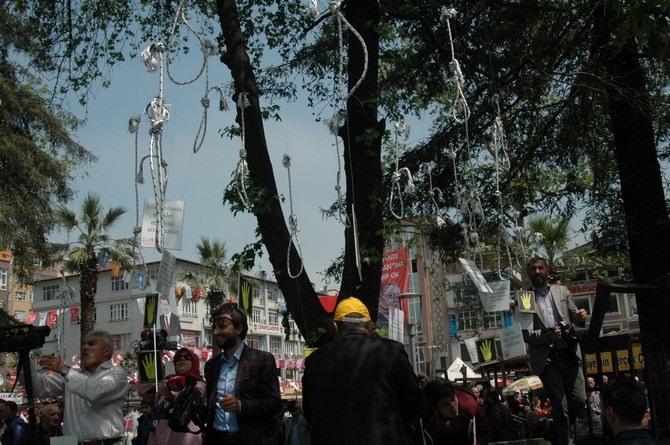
(394, 281)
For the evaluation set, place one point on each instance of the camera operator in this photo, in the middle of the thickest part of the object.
(187, 373)
(93, 395)
(554, 350)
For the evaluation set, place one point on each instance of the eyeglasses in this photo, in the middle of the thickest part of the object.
(178, 358)
(222, 322)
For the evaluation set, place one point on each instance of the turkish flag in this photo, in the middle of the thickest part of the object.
(53, 318)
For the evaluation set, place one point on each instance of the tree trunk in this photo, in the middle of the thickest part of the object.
(362, 136)
(647, 223)
(88, 288)
(363, 170)
(299, 293)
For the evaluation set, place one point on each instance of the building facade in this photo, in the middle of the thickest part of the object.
(120, 311)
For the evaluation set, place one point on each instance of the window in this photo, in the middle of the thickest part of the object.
(583, 303)
(467, 320)
(614, 304)
(275, 345)
(118, 312)
(118, 284)
(50, 292)
(122, 342)
(256, 315)
(3, 279)
(20, 296)
(274, 318)
(493, 319)
(253, 341)
(189, 308)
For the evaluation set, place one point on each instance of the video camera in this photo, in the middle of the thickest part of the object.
(23, 337)
(568, 334)
(146, 342)
(186, 407)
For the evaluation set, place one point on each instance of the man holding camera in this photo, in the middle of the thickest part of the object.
(93, 395)
(554, 351)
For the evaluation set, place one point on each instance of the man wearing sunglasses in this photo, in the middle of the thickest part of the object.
(242, 386)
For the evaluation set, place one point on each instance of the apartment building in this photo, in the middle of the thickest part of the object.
(120, 311)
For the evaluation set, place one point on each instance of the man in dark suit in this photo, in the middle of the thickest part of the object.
(359, 389)
(554, 353)
(624, 404)
(242, 386)
(173, 326)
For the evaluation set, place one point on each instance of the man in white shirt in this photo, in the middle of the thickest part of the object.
(93, 395)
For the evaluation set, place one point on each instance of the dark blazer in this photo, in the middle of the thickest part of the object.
(634, 437)
(538, 342)
(360, 389)
(257, 388)
(175, 325)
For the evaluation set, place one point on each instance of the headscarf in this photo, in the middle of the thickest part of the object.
(194, 372)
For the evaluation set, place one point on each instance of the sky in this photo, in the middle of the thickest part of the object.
(199, 178)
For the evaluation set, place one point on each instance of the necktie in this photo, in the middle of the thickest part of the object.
(167, 324)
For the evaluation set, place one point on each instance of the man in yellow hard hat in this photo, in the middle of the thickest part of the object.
(359, 388)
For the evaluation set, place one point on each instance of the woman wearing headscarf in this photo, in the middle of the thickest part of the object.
(187, 374)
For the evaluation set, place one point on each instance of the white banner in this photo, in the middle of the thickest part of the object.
(173, 224)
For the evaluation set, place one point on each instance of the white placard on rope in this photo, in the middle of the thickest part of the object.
(173, 223)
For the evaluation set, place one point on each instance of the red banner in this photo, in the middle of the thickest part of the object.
(395, 281)
(53, 319)
(74, 315)
(31, 317)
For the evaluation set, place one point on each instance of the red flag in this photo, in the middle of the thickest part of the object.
(31, 317)
(53, 318)
(328, 302)
(74, 315)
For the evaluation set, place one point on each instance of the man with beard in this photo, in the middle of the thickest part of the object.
(554, 352)
(242, 386)
(623, 405)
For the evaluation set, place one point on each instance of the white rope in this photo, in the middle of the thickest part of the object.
(435, 193)
(242, 170)
(461, 110)
(158, 113)
(400, 128)
(133, 128)
(202, 128)
(312, 11)
(207, 47)
(498, 134)
(334, 126)
(340, 19)
(293, 223)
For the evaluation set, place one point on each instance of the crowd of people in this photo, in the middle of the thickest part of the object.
(357, 389)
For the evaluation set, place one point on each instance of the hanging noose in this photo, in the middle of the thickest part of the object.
(293, 225)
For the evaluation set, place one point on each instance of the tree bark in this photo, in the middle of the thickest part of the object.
(362, 135)
(647, 223)
(88, 290)
(299, 293)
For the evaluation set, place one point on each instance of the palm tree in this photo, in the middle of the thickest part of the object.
(213, 256)
(93, 242)
(551, 236)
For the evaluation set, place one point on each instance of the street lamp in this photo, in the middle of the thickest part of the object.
(411, 327)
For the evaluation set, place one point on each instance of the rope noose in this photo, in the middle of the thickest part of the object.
(242, 170)
(158, 113)
(293, 224)
(340, 19)
(400, 127)
(133, 128)
(341, 204)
